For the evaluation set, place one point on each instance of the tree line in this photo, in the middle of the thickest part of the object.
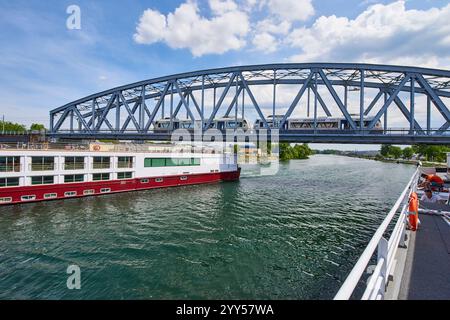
(17, 127)
(429, 152)
(298, 151)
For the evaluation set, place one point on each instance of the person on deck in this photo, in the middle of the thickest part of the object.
(431, 181)
(429, 197)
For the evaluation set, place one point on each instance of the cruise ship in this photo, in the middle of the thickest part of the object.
(40, 173)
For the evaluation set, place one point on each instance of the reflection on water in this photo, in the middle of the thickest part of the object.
(295, 235)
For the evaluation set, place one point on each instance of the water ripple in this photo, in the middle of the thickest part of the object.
(294, 235)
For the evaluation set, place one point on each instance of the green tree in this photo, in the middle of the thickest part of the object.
(432, 153)
(384, 151)
(396, 152)
(299, 151)
(37, 126)
(10, 126)
(407, 153)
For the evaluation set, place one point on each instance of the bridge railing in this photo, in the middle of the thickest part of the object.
(386, 250)
(318, 131)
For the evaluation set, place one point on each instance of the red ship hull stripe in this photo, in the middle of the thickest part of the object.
(114, 186)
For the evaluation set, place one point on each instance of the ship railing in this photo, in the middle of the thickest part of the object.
(104, 165)
(10, 168)
(125, 165)
(74, 166)
(386, 250)
(127, 148)
(42, 166)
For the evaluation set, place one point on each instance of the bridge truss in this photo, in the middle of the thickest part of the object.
(130, 111)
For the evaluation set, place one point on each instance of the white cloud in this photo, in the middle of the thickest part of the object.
(265, 42)
(381, 34)
(151, 28)
(186, 28)
(291, 10)
(271, 26)
(219, 7)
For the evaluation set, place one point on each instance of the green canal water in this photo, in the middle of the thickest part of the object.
(294, 235)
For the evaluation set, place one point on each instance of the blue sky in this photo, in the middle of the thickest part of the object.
(44, 65)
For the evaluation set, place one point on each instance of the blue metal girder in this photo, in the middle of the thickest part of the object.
(337, 99)
(321, 102)
(158, 104)
(252, 98)
(194, 101)
(130, 114)
(280, 66)
(373, 103)
(388, 102)
(297, 99)
(290, 137)
(290, 82)
(233, 102)
(183, 100)
(178, 107)
(219, 103)
(359, 75)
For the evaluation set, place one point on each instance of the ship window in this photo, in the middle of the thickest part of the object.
(42, 180)
(50, 195)
(125, 162)
(73, 178)
(42, 163)
(9, 182)
(159, 180)
(183, 178)
(101, 162)
(154, 162)
(9, 164)
(124, 175)
(100, 176)
(5, 200)
(87, 192)
(73, 163)
(171, 162)
(28, 198)
(105, 190)
(144, 180)
(70, 193)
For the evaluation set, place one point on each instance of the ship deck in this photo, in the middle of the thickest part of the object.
(426, 274)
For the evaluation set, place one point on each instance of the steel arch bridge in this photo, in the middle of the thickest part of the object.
(131, 111)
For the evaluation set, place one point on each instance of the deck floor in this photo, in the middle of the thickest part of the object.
(427, 271)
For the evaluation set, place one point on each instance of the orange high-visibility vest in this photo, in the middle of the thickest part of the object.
(413, 211)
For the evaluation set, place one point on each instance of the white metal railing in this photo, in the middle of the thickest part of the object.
(386, 250)
(122, 147)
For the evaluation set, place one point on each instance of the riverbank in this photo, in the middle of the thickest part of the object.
(400, 161)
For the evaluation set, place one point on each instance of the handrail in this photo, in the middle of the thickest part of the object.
(377, 241)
